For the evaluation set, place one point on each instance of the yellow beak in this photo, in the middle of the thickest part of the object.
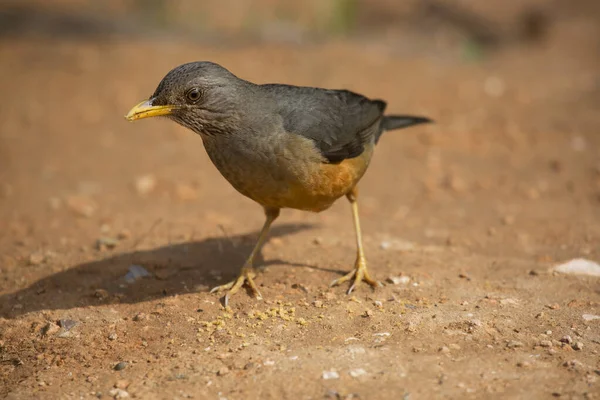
(146, 110)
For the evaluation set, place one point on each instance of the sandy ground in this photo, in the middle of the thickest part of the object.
(469, 215)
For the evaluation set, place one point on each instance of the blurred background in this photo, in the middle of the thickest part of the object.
(505, 183)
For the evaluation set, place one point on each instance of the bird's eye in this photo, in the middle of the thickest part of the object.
(193, 95)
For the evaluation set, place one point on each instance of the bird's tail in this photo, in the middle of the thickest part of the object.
(391, 122)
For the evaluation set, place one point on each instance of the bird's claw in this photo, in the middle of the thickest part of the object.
(359, 273)
(247, 277)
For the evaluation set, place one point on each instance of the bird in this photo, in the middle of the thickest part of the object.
(281, 145)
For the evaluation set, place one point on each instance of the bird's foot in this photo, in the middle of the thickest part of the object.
(246, 276)
(359, 273)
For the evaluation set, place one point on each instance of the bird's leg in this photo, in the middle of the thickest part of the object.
(247, 272)
(359, 273)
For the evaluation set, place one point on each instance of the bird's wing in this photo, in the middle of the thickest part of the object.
(340, 122)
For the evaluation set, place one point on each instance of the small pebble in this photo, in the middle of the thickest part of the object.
(136, 272)
(524, 364)
(579, 266)
(398, 280)
(124, 234)
(55, 203)
(104, 243)
(223, 371)
(36, 259)
(112, 336)
(382, 334)
(318, 303)
(444, 350)
(330, 375)
(120, 366)
(67, 324)
(554, 306)
(355, 373)
(578, 346)
(82, 206)
(122, 384)
(140, 317)
(566, 339)
(368, 313)
(494, 86)
(514, 344)
(508, 220)
(590, 317)
(118, 393)
(145, 184)
(546, 343)
(186, 192)
(330, 296)
(50, 329)
(578, 143)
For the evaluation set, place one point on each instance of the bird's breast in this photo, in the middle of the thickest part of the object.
(285, 172)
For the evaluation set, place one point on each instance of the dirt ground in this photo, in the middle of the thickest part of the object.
(468, 215)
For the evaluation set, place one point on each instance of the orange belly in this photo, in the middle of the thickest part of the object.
(324, 184)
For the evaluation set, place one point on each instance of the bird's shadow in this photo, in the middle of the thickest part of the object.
(175, 269)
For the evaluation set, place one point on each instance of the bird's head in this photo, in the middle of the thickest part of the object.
(201, 96)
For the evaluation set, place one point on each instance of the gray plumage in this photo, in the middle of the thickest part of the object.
(339, 122)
